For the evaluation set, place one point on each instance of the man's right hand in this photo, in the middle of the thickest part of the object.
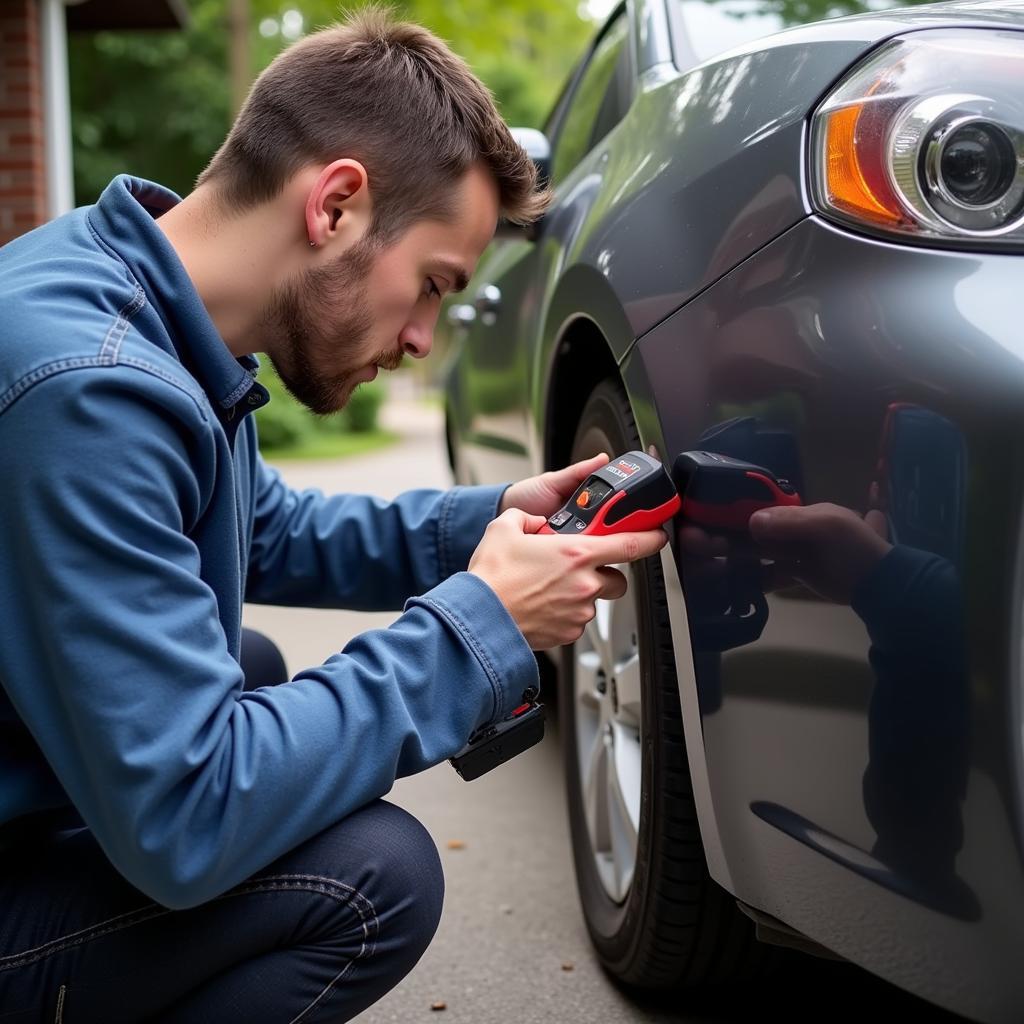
(550, 583)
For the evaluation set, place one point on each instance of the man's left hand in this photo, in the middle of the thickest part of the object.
(545, 494)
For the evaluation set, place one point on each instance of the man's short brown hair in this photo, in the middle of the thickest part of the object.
(389, 94)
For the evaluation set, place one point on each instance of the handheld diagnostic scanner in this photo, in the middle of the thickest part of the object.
(721, 493)
(632, 492)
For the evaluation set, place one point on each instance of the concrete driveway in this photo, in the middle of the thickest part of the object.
(512, 946)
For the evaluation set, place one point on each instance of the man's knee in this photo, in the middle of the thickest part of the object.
(414, 878)
(390, 863)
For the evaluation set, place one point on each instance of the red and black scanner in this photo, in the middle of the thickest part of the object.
(722, 493)
(632, 492)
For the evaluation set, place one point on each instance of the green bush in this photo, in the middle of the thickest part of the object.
(360, 414)
(285, 423)
(282, 423)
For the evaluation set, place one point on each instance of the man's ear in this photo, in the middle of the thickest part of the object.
(338, 205)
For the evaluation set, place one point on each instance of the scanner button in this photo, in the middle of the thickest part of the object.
(583, 499)
(559, 519)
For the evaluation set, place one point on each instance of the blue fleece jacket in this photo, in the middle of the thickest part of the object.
(136, 515)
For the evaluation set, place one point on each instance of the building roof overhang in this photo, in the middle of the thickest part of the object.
(95, 15)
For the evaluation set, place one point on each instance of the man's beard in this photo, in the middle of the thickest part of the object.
(293, 316)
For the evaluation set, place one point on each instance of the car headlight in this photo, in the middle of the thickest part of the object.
(926, 139)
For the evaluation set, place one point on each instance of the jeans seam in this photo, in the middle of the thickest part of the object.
(326, 991)
(326, 887)
(94, 931)
(271, 883)
(355, 898)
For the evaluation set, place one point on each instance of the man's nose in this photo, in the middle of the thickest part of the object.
(417, 340)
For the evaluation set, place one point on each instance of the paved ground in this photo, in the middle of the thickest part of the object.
(512, 924)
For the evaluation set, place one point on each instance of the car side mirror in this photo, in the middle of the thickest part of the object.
(538, 149)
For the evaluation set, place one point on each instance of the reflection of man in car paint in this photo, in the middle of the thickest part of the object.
(893, 567)
(911, 602)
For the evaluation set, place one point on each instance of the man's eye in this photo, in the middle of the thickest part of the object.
(432, 288)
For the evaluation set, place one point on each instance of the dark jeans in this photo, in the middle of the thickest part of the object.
(318, 935)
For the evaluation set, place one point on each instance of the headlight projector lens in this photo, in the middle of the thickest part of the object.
(970, 170)
(977, 164)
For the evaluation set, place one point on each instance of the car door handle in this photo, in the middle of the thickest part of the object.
(461, 315)
(488, 303)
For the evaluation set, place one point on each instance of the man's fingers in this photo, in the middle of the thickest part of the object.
(566, 480)
(531, 523)
(625, 547)
(614, 583)
(519, 520)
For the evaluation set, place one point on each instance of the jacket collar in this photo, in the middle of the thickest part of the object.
(125, 220)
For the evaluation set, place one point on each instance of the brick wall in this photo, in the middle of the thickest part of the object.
(22, 157)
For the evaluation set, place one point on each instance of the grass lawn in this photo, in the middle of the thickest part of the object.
(332, 446)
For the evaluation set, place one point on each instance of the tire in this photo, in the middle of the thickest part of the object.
(664, 924)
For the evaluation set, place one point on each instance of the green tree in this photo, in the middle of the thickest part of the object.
(157, 104)
(154, 104)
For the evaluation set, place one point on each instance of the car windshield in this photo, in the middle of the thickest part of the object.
(711, 28)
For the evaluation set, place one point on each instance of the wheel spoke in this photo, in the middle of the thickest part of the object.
(588, 664)
(627, 775)
(596, 633)
(603, 618)
(628, 688)
(622, 625)
(595, 789)
(623, 834)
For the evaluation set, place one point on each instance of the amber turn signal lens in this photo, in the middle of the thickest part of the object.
(854, 177)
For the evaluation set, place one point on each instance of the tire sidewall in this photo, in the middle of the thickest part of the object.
(615, 929)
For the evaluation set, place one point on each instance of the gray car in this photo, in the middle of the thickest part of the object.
(802, 254)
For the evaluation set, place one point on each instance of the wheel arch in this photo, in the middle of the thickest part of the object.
(586, 336)
(582, 359)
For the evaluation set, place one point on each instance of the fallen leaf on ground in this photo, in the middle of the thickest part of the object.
(439, 1005)
(568, 966)
(456, 844)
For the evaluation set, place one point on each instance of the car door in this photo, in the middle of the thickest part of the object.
(497, 329)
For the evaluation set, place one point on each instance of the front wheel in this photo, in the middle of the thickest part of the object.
(655, 917)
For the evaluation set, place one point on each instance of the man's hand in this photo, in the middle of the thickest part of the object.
(549, 583)
(545, 494)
